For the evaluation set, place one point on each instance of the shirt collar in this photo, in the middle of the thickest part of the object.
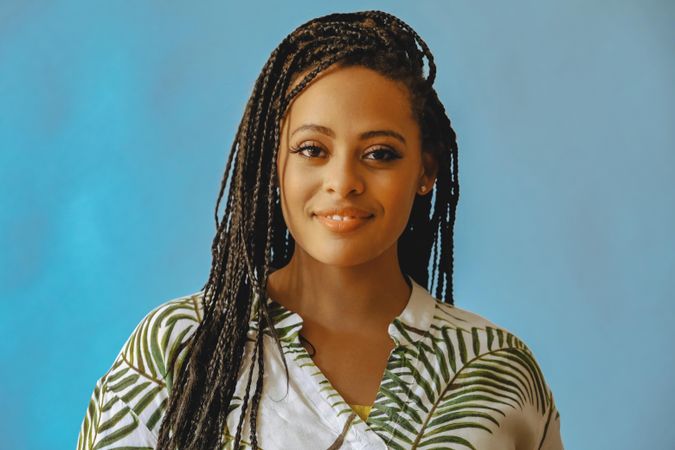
(406, 328)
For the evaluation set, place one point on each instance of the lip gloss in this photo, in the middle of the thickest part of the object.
(343, 226)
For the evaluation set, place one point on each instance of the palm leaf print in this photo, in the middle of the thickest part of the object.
(463, 380)
(132, 395)
(454, 381)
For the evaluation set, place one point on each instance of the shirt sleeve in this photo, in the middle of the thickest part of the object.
(110, 422)
(128, 403)
(511, 375)
(550, 434)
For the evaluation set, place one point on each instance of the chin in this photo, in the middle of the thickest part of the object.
(340, 254)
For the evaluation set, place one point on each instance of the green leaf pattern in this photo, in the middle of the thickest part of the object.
(453, 381)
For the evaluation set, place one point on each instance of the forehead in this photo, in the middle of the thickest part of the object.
(351, 97)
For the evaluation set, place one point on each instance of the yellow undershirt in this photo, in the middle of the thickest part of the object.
(362, 411)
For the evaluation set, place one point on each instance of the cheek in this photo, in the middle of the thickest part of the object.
(397, 199)
(293, 191)
(296, 180)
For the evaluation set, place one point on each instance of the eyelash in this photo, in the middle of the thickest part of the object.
(392, 154)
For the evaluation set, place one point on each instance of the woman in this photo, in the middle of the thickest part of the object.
(331, 220)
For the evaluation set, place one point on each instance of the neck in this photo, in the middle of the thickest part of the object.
(341, 299)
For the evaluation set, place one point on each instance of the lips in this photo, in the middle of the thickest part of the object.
(350, 219)
(344, 212)
(343, 226)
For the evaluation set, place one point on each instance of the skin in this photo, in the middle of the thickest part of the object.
(326, 265)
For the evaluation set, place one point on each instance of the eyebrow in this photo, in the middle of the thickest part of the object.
(365, 135)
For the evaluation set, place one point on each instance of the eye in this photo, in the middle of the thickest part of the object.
(385, 153)
(390, 154)
(302, 148)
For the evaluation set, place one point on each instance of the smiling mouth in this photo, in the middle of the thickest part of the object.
(342, 224)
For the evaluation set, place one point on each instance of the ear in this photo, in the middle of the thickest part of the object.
(428, 173)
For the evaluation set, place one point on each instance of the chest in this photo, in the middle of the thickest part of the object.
(354, 364)
(312, 415)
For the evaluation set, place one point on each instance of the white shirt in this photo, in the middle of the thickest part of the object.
(454, 380)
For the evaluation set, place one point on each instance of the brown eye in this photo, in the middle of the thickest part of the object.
(389, 154)
(303, 148)
(381, 154)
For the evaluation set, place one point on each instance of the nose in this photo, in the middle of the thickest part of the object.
(343, 174)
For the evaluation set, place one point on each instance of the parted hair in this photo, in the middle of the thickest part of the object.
(252, 235)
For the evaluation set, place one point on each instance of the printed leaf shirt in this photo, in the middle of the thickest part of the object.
(453, 381)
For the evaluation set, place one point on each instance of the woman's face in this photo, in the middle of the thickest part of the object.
(350, 140)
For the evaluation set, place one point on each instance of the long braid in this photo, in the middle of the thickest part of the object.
(200, 398)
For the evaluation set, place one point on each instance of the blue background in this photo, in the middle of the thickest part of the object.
(115, 123)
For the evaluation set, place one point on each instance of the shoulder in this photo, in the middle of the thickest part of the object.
(485, 336)
(158, 342)
(479, 347)
(128, 401)
(494, 363)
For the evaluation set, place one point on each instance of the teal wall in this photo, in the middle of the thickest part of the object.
(115, 123)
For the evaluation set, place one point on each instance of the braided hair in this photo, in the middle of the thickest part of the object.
(252, 236)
